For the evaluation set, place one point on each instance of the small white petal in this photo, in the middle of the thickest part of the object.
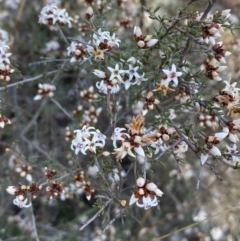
(203, 158)
(152, 42)
(140, 181)
(215, 151)
(11, 190)
(139, 150)
(133, 200)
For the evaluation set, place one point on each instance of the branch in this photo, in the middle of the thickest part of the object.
(207, 10)
(27, 80)
(95, 215)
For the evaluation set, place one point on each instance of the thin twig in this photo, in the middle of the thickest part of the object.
(207, 10)
(27, 80)
(112, 221)
(95, 215)
(61, 108)
(35, 233)
(62, 34)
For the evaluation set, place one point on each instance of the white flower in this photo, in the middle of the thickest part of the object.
(72, 48)
(146, 194)
(127, 83)
(116, 73)
(172, 74)
(158, 145)
(124, 150)
(231, 88)
(85, 132)
(21, 204)
(101, 36)
(231, 136)
(4, 57)
(65, 19)
(102, 87)
(112, 86)
(113, 40)
(45, 89)
(233, 151)
(181, 148)
(51, 14)
(88, 140)
(148, 202)
(79, 145)
(92, 144)
(132, 72)
(118, 135)
(140, 79)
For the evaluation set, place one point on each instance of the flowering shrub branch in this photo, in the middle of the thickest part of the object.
(127, 111)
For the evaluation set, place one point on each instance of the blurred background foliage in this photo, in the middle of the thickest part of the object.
(31, 44)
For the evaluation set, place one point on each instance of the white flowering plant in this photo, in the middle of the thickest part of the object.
(111, 108)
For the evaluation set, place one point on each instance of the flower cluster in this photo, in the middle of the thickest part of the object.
(212, 149)
(212, 68)
(143, 41)
(88, 189)
(54, 189)
(118, 76)
(45, 90)
(146, 194)
(229, 97)
(77, 50)
(210, 120)
(134, 139)
(212, 30)
(91, 115)
(24, 171)
(88, 139)
(88, 94)
(102, 41)
(212, 27)
(150, 101)
(5, 67)
(81, 185)
(107, 84)
(51, 15)
(21, 193)
(170, 75)
(49, 173)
